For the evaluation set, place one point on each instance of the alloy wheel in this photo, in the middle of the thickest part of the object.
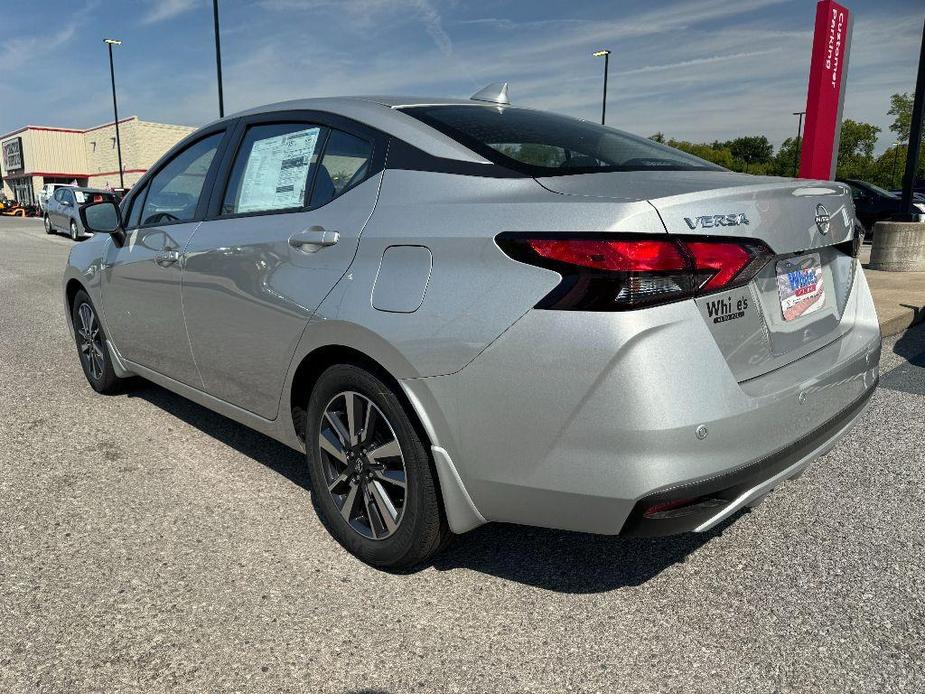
(90, 341)
(47, 225)
(73, 230)
(363, 465)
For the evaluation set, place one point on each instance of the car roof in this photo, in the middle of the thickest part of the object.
(384, 113)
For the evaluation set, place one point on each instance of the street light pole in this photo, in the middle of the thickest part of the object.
(796, 157)
(218, 60)
(606, 55)
(895, 157)
(115, 107)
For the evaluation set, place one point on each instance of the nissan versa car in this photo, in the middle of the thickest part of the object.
(464, 312)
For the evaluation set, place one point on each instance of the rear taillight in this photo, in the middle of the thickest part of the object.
(609, 272)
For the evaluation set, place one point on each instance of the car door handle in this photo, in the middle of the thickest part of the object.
(168, 257)
(313, 239)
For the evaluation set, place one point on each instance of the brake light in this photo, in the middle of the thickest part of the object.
(720, 262)
(608, 272)
(615, 256)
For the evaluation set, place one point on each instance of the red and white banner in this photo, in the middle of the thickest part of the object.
(826, 93)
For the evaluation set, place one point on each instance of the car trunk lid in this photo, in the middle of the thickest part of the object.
(797, 303)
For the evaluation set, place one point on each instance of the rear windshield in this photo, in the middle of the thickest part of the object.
(86, 196)
(546, 144)
(880, 191)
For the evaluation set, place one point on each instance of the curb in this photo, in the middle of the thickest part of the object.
(902, 321)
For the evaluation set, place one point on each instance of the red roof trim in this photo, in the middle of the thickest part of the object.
(64, 130)
(73, 175)
(107, 125)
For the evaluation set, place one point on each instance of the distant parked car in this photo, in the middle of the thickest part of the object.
(916, 197)
(48, 190)
(873, 204)
(62, 210)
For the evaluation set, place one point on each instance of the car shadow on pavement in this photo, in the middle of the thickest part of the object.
(266, 451)
(908, 377)
(569, 562)
(557, 560)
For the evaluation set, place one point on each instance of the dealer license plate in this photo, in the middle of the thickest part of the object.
(799, 283)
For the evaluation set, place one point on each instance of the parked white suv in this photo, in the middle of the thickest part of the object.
(47, 191)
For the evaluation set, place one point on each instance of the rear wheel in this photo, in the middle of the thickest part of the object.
(372, 478)
(92, 348)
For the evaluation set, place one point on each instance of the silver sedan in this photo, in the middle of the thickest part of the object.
(464, 312)
(62, 209)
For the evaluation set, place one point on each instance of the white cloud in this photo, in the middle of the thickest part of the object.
(369, 13)
(18, 51)
(162, 10)
(698, 61)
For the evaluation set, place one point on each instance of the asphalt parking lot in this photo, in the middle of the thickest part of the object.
(149, 545)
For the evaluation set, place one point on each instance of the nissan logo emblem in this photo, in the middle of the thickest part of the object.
(822, 219)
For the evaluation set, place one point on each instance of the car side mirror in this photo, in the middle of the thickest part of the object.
(103, 218)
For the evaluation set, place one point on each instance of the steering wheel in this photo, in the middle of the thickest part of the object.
(160, 217)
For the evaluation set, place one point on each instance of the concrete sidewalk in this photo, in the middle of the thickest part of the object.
(898, 296)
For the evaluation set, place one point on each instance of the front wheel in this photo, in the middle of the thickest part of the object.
(49, 229)
(372, 478)
(92, 347)
(74, 233)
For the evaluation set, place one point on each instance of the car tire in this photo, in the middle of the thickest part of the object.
(75, 234)
(393, 517)
(92, 349)
(49, 229)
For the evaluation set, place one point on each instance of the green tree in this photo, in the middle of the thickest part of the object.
(754, 149)
(887, 171)
(856, 150)
(657, 137)
(786, 161)
(722, 157)
(901, 110)
(857, 139)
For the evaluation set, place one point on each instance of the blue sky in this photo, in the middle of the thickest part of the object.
(693, 69)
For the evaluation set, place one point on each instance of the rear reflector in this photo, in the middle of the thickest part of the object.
(610, 272)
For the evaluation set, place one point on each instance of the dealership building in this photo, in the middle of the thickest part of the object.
(35, 155)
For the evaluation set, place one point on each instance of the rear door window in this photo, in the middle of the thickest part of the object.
(173, 194)
(273, 168)
(345, 163)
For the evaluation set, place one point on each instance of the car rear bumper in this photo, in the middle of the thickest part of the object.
(581, 421)
(706, 503)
